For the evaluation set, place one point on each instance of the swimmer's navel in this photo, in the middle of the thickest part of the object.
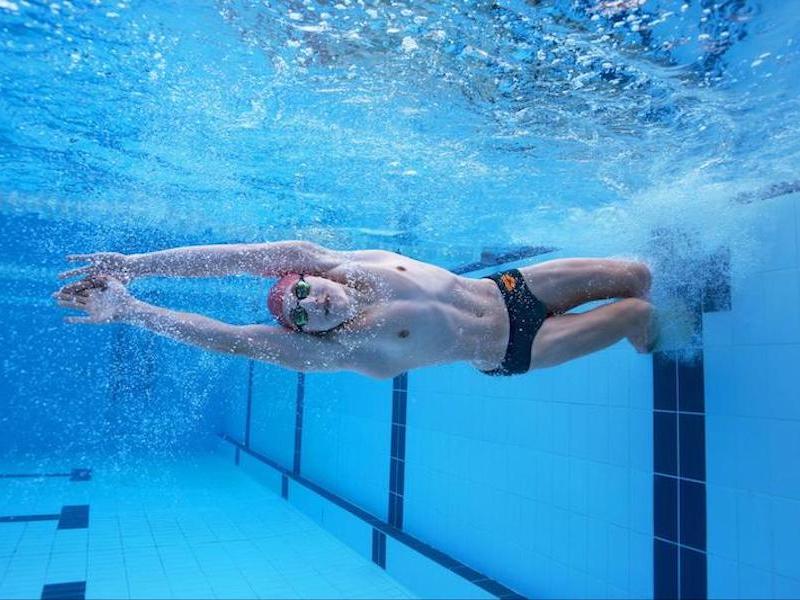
(399, 268)
(403, 333)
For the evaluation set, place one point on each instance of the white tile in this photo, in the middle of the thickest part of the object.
(754, 583)
(785, 587)
(723, 578)
(718, 329)
(641, 565)
(785, 527)
(778, 233)
(70, 541)
(66, 567)
(753, 517)
(101, 590)
(784, 447)
(10, 534)
(722, 442)
(722, 522)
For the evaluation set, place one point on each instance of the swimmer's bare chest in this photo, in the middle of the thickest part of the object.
(419, 314)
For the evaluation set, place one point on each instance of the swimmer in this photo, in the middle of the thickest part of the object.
(379, 313)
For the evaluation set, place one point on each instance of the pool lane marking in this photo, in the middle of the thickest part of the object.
(71, 517)
(397, 451)
(78, 474)
(72, 590)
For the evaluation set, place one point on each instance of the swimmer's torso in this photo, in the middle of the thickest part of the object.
(418, 314)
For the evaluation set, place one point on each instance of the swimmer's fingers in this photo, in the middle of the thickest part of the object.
(83, 287)
(94, 256)
(86, 270)
(72, 302)
(96, 259)
(100, 264)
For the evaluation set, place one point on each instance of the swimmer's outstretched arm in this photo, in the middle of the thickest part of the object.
(106, 300)
(270, 259)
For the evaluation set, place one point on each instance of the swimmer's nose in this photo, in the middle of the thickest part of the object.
(309, 303)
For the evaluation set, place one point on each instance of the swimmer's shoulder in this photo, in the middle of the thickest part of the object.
(372, 256)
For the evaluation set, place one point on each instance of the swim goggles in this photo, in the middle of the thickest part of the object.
(298, 314)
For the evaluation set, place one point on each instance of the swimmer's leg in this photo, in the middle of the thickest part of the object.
(565, 283)
(564, 337)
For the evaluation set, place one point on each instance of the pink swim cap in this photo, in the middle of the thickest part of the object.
(277, 295)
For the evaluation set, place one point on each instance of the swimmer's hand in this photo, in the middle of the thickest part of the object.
(104, 299)
(113, 264)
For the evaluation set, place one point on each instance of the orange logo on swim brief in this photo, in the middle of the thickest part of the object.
(509, 281)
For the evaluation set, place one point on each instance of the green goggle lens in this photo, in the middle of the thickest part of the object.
(302, 289)
(299, 316)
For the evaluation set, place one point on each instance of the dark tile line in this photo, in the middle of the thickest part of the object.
(428, 551)
(28, 518)
(490, 258)
(70, 517)
(74, 517)
(31, 475)
(249, 412)
(397, 451)
(379, 548)
(77, 474)
(80, 474)
(680, 567)
(298, 423)
(73, 590)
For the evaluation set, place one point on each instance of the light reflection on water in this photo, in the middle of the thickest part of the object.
(441, 120)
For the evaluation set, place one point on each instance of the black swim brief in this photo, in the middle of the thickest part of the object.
(526, 313)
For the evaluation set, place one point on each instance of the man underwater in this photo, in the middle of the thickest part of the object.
(379, 313)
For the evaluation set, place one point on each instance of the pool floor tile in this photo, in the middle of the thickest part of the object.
(201, 529)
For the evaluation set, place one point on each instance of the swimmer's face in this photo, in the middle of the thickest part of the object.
(327, 304)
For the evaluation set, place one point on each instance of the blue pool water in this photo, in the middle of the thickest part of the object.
(452, 132)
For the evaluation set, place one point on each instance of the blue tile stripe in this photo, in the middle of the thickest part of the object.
(70, 517)
(679, 478)
(28, 518)
(444, 560)
(73, 590)
(249, 414)
(74, 517)
(379, 548)
(298, 423)
(80, 474)
(490, 258)
(76, 474)
(397, 458)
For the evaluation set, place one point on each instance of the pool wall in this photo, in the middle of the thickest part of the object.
(752, 353)
(616, 475)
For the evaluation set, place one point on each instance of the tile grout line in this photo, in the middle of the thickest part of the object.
(442, 559)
